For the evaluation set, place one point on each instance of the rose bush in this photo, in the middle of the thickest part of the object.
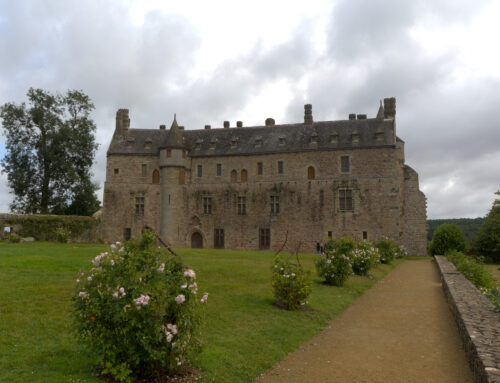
(364, 257)
(138, 307)
(291, 284)
(336, 266)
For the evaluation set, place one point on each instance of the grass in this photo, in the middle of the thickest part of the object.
(243, 333)
(494, 270)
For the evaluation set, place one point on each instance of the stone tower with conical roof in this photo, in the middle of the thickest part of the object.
(174, 169)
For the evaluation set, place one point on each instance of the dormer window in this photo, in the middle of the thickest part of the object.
(234, 142)
(379, 136)
(334, 138)
(212, 143)
(130, 141)
(281, 140)
(197, 144)
(147, 143)
(355, 138)
(314, 138)
(258, 141)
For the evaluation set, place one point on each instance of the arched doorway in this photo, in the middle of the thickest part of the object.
(310, 173)
(196, 240)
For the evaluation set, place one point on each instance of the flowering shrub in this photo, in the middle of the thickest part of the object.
(13, 238)
(387, 249)
(291, 284)
(336, 266)
(62, 235)
(364, 257)
(400, 251)
(138, 308)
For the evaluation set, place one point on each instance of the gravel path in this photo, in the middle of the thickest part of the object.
(401, 330)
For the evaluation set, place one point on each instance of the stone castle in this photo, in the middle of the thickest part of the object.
(259, 187)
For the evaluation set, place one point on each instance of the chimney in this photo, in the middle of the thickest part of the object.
(390, 107)
(308, 114)
(226, 124)
(122, 120)
(163, 127)
(269, 121)
(207, 127)
(239, 124)
(181, 127)
(361, 116)
(352, 116)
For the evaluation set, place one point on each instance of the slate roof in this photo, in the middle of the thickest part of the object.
(322, 135)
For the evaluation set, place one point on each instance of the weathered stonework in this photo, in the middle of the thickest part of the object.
(478, 323)
(301, 164)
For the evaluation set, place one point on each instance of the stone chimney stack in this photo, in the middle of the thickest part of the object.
(163, 127)
(361, 116)
(308, 114)
(390, 107)
(226, 124)
(207, 127)
(122, 120)
(270, 122)
(239, 124)
(352, 116)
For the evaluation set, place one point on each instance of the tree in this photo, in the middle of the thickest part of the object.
(50, 149)
(447, 237)
(487, 241)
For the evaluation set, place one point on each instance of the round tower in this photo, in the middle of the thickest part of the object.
(173, 167)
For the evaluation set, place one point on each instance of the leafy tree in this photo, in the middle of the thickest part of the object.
(487, 241)
(50, 149)
(469, 226)
(447, 237)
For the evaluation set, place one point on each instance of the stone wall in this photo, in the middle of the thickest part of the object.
(478, 323)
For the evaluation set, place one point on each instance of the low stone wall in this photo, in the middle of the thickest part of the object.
(478, 323)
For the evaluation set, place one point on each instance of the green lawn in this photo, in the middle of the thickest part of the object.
(494, 271)
(243, 333)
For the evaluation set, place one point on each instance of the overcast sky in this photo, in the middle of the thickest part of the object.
(210, 61)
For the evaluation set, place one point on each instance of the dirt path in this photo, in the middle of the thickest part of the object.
(401, 330)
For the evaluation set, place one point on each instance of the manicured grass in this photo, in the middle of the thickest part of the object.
(243, 333)
(494, 270)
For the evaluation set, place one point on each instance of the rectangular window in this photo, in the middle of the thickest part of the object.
(280, 167)
(169, 153)
(144, 170)
(139, 205)
(219, 238)
(344, 164)
(183, 154)
(321, 198)
(330, 234)
(365, 235)
(219, 170)
(127, 233)
(200, 170)
(275, 204)
(345, 199)
(117, 171)
(242, 205)
(265, 238)
(207, 205)
(259, 168)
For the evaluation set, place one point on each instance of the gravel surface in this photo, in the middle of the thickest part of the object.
(401, 330)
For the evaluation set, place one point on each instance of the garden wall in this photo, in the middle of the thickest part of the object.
(43, 227)
(478, 323)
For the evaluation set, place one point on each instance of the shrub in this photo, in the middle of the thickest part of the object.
(13, 238)
(335, 267)
(62, 235)
(291, 284)
(387, 250)
(447, 237)
(139, 310)
(473, 271)
(494, 296)
(364, 257)
(487, 240)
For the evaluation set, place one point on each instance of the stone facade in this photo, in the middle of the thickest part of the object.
(254, 187)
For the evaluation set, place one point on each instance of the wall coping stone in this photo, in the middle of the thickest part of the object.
(478, 323)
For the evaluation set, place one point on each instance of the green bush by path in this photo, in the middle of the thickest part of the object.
(37, 281)
(447, 237)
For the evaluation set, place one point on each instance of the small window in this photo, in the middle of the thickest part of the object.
(264, 238)
(275, 204)
(259, 168)
(183, 154)
(330, 234)
(127, 233)
(345, 199)
(242, 205)
(365, 235)
(321, 198)
(219, 238)
(344, 164)
(282, 140)
(200, 170)
(310, 173)
(144, 170)
(244, 175)
(139, 205)
(207, 205)
(117, 171)
(169, 153)
(234, 143)
(182, 176)
(156, 176)
(219, 170)
(280, 167)
(234, 175)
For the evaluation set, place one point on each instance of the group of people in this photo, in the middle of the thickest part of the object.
(320, 249)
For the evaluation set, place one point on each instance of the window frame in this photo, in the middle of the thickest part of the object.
(260, 168)
(281, 167)
(344, 199)
(207, 205)
(242, 205)
(347, 168)
(275, 204)
(139, 205)
(219, 170)
(200, 171)
(264, 238)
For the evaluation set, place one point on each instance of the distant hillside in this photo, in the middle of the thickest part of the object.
(469, 226)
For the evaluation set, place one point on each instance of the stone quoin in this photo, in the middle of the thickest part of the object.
(255, 187)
